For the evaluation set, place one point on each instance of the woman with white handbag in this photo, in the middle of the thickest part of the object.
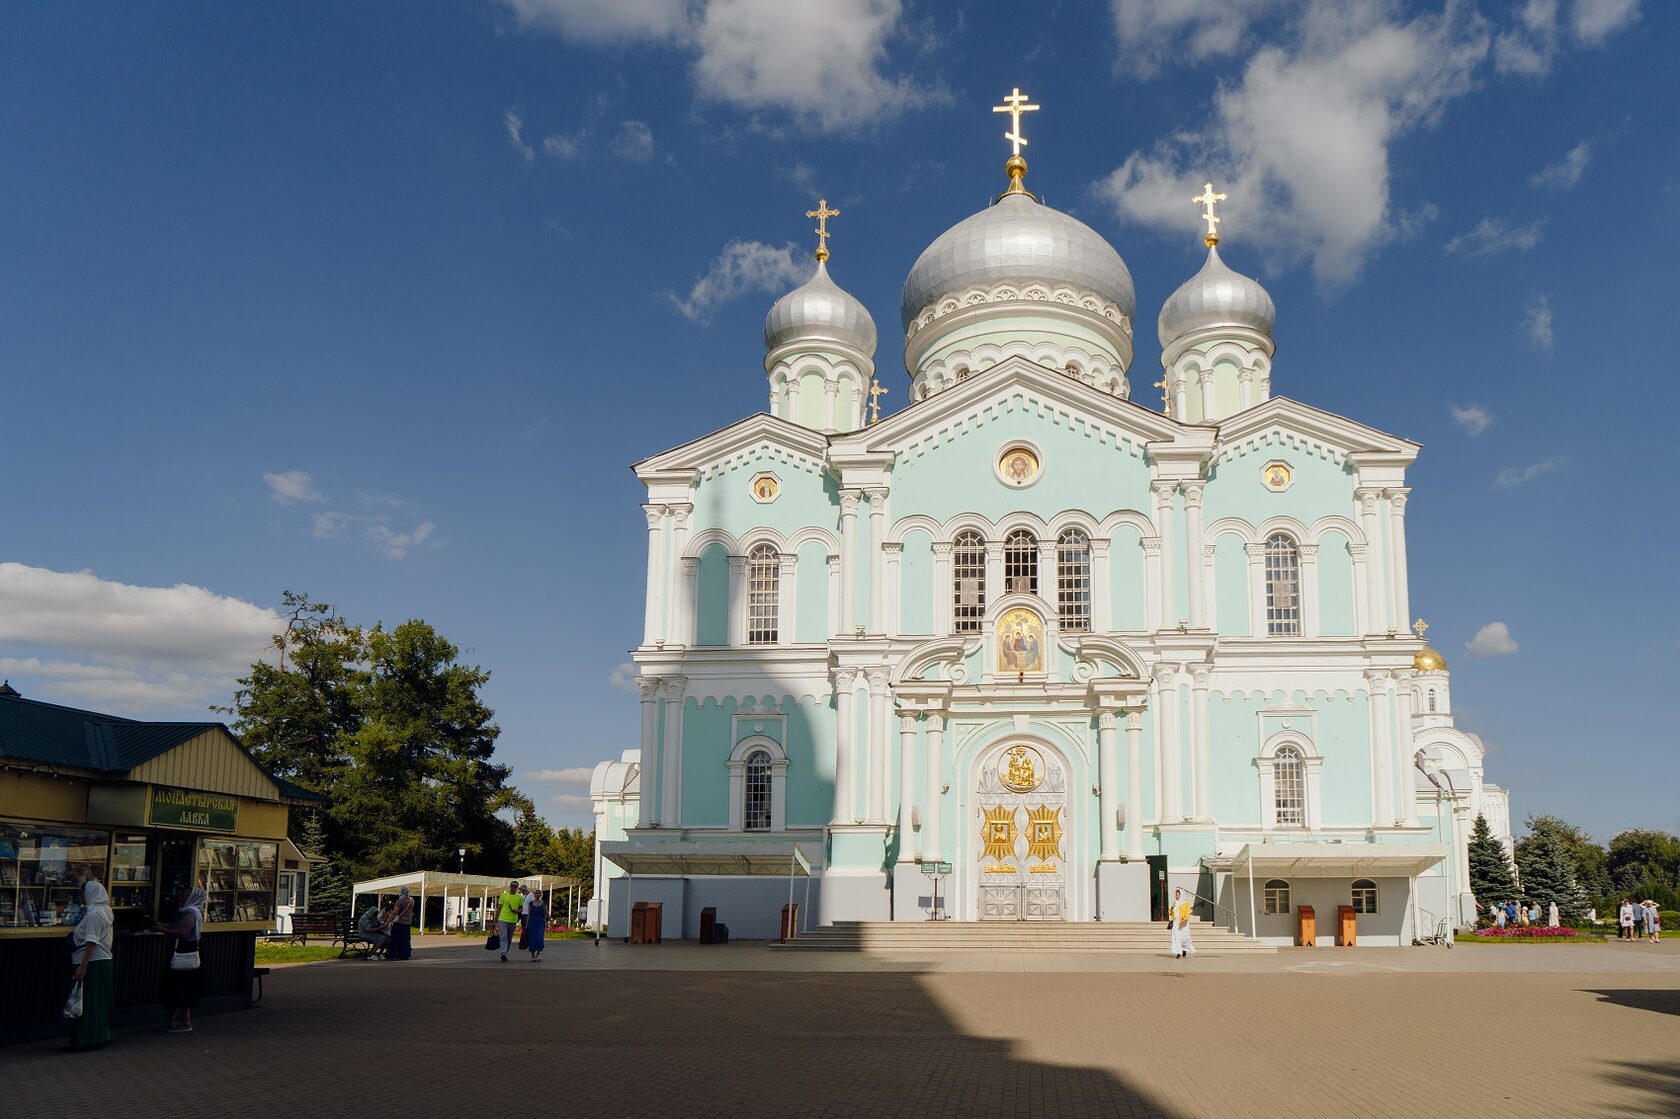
(181, 970)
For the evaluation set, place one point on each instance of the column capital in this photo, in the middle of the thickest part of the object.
(1193, 495)
(844, 679)
(1255, 551)
(737, 564)
(1397, 498)
(1099, 547)
(833, 564)
(994, 549)
(1245, 375)
(1162, 489)
(1165, 674)
(892, 547)
(1134, 719)
(1151, 545)
(877, 494)
(1209, 551)
(787, 561)
(655, 514)
(649, 687)
(1204, 376)
(878, 681)
(681, 513)
(849, 502)
(1377, 675)
(1367, 497)
(674, 688)
(942, 549)
(1201, 673)
(1357, 551)
(1105, 721)
(936, 721)
(1307, 552)
(906, 723)
(1405, 674)
(690, 564)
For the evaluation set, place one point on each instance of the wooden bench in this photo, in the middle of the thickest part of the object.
(354, 943)
(306, 925)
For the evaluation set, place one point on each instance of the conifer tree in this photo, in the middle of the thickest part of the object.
(1548, 875)
(1491, 879)
(328, 890)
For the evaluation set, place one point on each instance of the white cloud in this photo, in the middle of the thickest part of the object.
(741, 267)
(325, 526)
(1473, 418)
(1595, 20)
(623, 677)
(1495, 235)
(799, 173)
(395, 544)
(1301, 141)
(561, 146)
(572, 802)
(1492, 640)
(1566, 172)
(1513, 476)
(592, 21)
(1530, 45)
(574, 775)
(1155, 33)
(81, 639)
(634, 142)
(291, 486)
(1537, 323)
(515, 125)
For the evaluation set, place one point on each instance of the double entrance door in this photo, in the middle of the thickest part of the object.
(1021, 828)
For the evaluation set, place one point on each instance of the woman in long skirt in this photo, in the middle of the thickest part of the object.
(181, 983)
(397, 925)
(536, 921)
(91, 953)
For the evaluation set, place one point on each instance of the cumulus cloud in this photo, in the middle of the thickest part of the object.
(1513, 476)
(79, 639)
(1492, 640)
(574, 775)
(1154, 33)
(634, 142)
(1473, 418)
(562, 146)
(623, 677)
(1531, 43)
(291, 486)
(1566, 172)
(1496, 235)
(1301, 140)
(741, 267)
(515, 125)
(1537, 323)
(590, 21)
(395, 544)
(571, 802)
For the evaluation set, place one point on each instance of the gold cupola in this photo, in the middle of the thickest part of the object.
(1426, 659)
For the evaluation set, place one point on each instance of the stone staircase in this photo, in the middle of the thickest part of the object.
(1014, 936)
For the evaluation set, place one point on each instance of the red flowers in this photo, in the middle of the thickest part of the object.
(1525, 932)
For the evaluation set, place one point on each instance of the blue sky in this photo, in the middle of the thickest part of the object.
(379, 302)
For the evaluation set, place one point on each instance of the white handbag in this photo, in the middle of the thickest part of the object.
(184, 961)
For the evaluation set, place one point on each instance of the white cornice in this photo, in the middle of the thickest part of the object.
(1337, 435)
(799, 444)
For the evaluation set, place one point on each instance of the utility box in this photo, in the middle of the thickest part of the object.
(708, 925)
(645, 920)
(790, 921)
(1347, 926)
(1306, 926)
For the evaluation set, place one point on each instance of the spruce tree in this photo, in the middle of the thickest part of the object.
(1491, 879)
(1548, 875)
(328, 890)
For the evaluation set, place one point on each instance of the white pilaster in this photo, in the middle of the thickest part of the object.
(1153, 602)
(1134, 785)
(935, 791)
(1163, 492)
(1196, 568)
(1256, 554)
(877, 580)
(673, 591)
(682, 621)
(994, 571)
(1361, 588)
(942, 588)
(1403, 747)
(1382, 780)
(831, 386)
(737, 600)
(651, 628)
(1200, 754)
(848, 558)
(879, 711)
(1204, 380)
(892, 587)
(845, 745)
(834, 575)
(1374, 569)
(906, 786)
(1108, 777)
(787, 597)
(1245, 387)
(647, 808)
(1397, 550)
(1170, 754)
(1102, 588)
(670, 770)
(1309, 590)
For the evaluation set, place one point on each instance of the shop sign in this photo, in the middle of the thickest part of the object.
(183, 808)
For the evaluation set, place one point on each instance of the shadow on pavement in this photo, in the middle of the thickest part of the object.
(1663, 1002)
(1658, 1079)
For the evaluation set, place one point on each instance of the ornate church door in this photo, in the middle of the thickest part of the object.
(1022, 830)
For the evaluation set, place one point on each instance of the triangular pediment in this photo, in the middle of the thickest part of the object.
(789, 440)
(1313, 428)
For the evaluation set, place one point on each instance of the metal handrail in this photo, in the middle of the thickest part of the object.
(1216, 906)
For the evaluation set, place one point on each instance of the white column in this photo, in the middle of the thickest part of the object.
(1134, 785)
(776, 388)
(793, 397)
(670, 773)
(906, 785)
(1382, 783)
(737, 600)
(1200, 754)
(994, 572)
(1397, 548)
(1256, 588)
(942, 588)
(1108, 778)
(848, 558)
(878, 714)
(1195, 568)
(1163, 492)
(857, 408)
(1374, 569)
(655, 573)
(877, 580)
(683, 626)
(1102, 589)
(834, 574)
(1245, 388)
(831, 385)
(1181, 397)
(1047, 574)
(935, 793)
(845, 745)
(673, 627)
(648, 806)
(787, 597)
(1309, 590)
(1205, 380)
(1153, 604)
(892, 587)
(1361, 589)
(1166, 727)
(1403, 771)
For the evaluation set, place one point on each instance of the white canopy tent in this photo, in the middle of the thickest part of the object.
(1334, 860)
(445, 884)
(766, 860)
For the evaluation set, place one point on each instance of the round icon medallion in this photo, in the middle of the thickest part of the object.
(1021, 769)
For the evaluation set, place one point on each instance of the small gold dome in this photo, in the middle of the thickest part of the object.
(1428, 660)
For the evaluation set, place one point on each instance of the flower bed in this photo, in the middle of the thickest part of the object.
(1528, 932)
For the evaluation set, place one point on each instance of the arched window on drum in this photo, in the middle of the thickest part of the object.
(1073, 581)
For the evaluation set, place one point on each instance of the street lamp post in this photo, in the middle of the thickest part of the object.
(461, 920)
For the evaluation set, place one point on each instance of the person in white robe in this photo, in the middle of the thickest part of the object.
(1178, 921)
(1552, 915)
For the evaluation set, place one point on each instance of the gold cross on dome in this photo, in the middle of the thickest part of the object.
(876, 392)
(1166, 401)
(1420, 627)
(1015, 104)
(1209, 198)
(822, 213)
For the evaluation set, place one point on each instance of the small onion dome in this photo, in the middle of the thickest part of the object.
(1213, 297)
(1428, 660)
(819, 311)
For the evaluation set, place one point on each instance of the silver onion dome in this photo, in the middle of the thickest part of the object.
(1017, 240)
(819, 310)
(1216, 296)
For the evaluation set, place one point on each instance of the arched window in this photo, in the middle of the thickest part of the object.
(1283, 587)
(968, 581)
(1073, 581)
(763, 594)
(1289, 781)
(1432, 701)
(758, 799)
(1364, 896)
(1277, 898)
(1020, 562)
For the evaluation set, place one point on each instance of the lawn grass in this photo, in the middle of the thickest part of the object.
(1579, 938)
(269, 953)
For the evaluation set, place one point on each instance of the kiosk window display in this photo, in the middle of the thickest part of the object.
(41, 869)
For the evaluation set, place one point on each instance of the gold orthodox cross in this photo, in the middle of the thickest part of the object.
(822, 213)
(1209, 198)
(876, 392)
(1420, 627)
(1166, 401)
(1015, 104)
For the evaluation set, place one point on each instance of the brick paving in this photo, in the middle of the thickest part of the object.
(747, 1031)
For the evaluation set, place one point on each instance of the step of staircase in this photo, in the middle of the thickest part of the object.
(1013, 936)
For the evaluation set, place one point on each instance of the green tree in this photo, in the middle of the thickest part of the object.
(1547, 867)
(1645, 862)
(1587, 858)
(329, 890)
(1491, 879)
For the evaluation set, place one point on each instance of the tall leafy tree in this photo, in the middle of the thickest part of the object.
(1491, 879)
(1547, 867)
(1647, 863)
(1588, 859)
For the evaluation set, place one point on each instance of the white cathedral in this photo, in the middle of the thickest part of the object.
(1061, 648)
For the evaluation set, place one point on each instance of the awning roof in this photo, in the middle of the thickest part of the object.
(448, 882)
(1338, 860)
(767, 859)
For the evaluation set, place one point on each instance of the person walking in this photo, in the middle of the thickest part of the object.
(536, 923)
(181, 976)
(507, 915)
(90, 952)
(1178, 919)
(1656, 923)
(1499, 916)
(1624, 920)
(524, 915)
(398, 927)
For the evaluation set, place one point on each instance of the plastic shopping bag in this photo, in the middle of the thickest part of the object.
(73, 1004)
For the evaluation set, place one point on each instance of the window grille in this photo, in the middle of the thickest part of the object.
(1364, 896)
(1020, 562)
(1283, 587)
(1432, 701)
(758, 792)
(968, 576)
(1289, 781)
(1277, 898)
(1073, 581)
(763, 595)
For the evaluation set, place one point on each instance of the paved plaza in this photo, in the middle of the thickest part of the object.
(752, 1030)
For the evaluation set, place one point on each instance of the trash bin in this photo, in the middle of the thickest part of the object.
(1306, 926)
(1347, 926)
(708, 925)
(790, 921)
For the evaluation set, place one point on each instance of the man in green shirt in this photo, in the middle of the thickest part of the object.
(507, 915)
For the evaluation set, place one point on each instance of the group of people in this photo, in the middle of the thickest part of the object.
(522, 909)
(93, 993)
(1508, 913)
(1639, 922)
(388, 930)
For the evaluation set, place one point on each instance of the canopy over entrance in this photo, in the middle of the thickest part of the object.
(770, 860)
(1337, 860)
(423, 884)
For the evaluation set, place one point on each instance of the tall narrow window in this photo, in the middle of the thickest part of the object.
(1073, 581)
(1289, 781)
(763, 595)
(1432, 701)
(968, 581)
(1283, 587)
(757, 802)
(1020, 562)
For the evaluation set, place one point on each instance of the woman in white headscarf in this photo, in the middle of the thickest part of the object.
(90, 952)
(181, 970)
